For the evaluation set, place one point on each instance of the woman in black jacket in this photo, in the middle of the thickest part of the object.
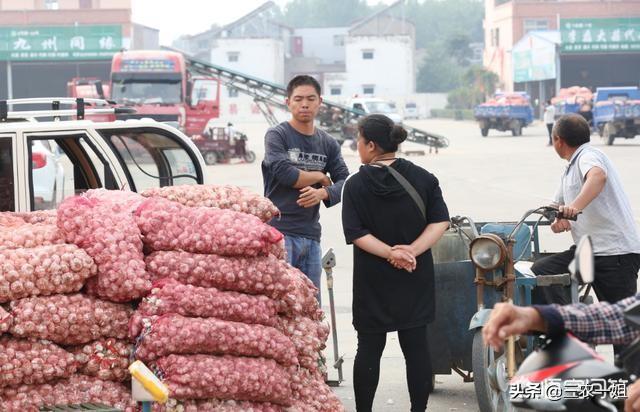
(392, 232)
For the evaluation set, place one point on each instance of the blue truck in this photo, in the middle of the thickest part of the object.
(616, 113)
(504, 112)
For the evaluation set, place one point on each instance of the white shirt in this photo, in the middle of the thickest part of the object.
(549, 114)
(608, 219)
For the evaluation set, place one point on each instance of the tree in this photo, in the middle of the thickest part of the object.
(481, 79)
(438, 72)
(477, 84)
(458, 45)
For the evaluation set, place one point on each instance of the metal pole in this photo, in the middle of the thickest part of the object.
(336, 354)
(9, 81)
(558, 68)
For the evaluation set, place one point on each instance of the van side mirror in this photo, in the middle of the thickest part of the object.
(582, 266)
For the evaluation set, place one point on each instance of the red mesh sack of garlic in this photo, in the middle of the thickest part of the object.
(75, 390)
(47, 217)
(168, 225)
(43, 270)
(216, 405)
(69, 319)
(6, 320)
(25, 361)
(221, 197)
(101, 222)
(29, 235)
(175, 334)
(225, 377)
(311, 393)
(253, 275)
(107, 359)
(8, 219)
(308, 336)
(170, 296)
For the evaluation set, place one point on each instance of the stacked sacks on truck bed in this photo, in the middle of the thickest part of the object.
(43, 316)
(571, 99)
(216, 294)
(499, 105)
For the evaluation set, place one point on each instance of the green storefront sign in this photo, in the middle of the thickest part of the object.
(618, 35)
(60, 42)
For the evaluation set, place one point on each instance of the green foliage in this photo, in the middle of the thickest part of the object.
(438, 20)
(477, 85)
(438, 72)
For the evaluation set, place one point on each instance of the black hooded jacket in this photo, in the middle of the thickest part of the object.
(385, 298)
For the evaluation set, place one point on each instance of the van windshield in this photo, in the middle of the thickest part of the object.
(379, 107)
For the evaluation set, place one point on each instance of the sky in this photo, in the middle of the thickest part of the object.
(177, 17)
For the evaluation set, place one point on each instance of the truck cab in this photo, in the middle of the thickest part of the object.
(370, 105)
(83, 154)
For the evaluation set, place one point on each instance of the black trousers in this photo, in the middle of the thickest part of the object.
(549, 129)
(366, 367)
(616, 276)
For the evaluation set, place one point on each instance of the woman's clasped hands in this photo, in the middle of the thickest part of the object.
(403, 257)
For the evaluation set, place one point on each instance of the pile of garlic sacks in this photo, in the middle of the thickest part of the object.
(189, 279)
(44, 317)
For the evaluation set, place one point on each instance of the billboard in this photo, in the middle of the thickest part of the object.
(534, 59)
(610, 35)
(60, 42)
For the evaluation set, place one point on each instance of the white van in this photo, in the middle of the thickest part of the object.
(370, 105)
(41, 163)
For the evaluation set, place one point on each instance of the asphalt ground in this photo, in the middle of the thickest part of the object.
(495, 178)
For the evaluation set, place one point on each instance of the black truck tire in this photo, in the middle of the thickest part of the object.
(609, 133)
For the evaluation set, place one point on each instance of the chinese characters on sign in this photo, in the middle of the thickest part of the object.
(556, 389)
(60, 43)
(618, 35)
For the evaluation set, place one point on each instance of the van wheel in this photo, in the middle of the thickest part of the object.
(484, 131)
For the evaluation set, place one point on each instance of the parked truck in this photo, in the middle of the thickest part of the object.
(616, 113)
(572, 100)
(506, 111)
(159, 86)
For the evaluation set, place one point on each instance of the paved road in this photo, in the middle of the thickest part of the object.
(492, 178)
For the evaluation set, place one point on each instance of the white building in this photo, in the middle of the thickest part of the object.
(373, 57)
(263, 58)
(379, 58)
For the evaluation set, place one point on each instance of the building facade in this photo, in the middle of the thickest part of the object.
(347, 61)
(508, 21)
(46, 43)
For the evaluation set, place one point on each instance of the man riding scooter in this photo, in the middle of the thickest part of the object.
(590, 186)
(599, 323)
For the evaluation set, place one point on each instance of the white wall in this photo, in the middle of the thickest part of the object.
(391, 71)
(320, 43)
(262, 58)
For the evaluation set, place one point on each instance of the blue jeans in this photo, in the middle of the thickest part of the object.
(306, 255)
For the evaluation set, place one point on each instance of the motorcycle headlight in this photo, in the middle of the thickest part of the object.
(488, 251)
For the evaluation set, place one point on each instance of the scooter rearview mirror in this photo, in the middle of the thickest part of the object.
(582, 266)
